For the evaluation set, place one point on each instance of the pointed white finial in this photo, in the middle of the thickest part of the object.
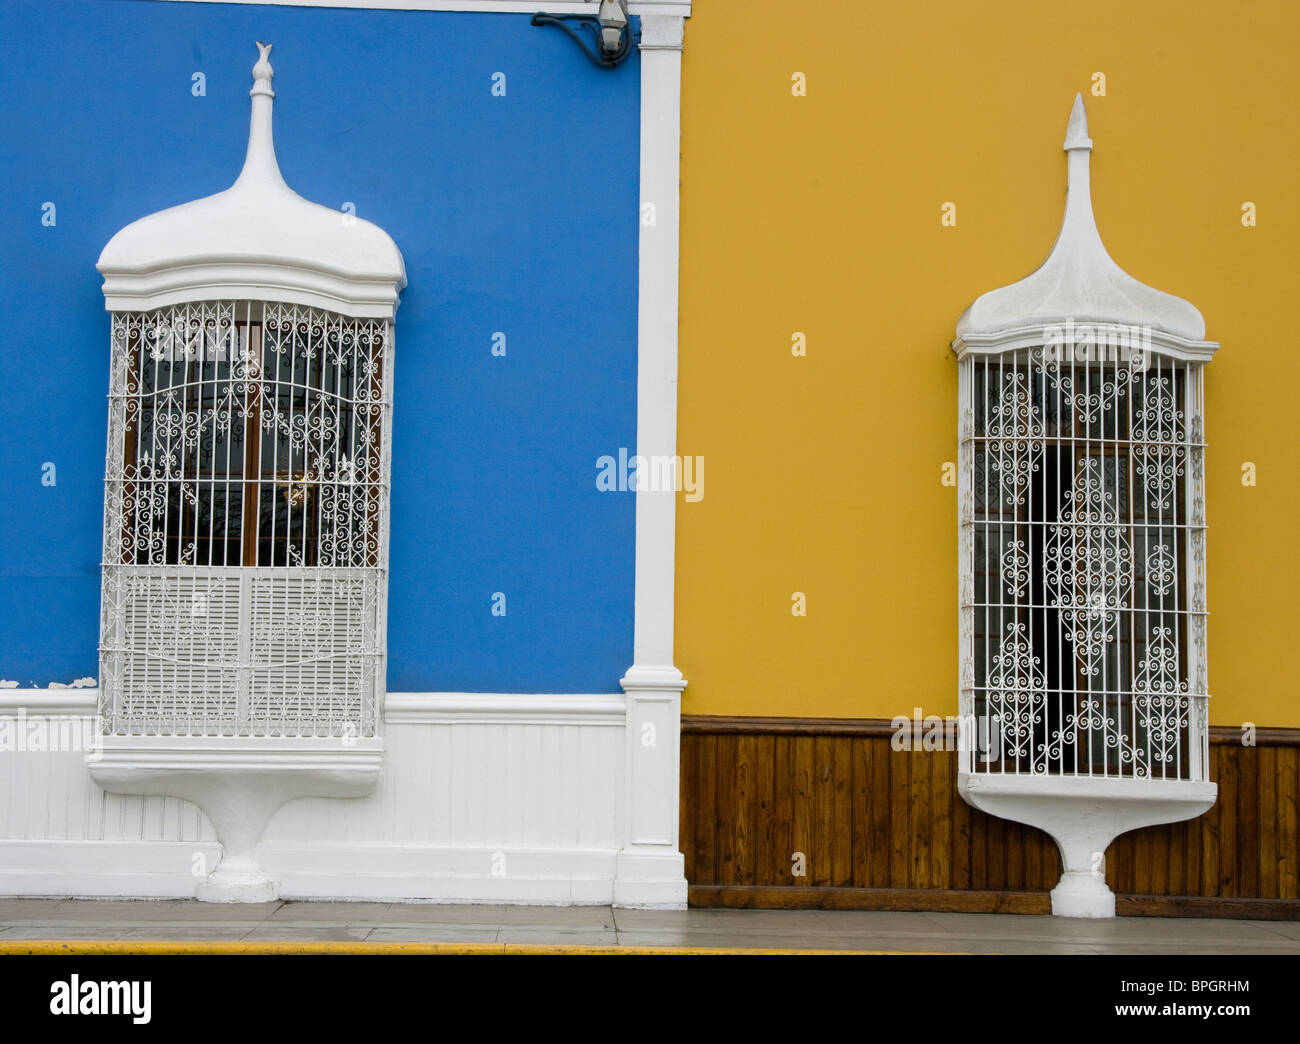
(257, 240)
(262, 71)
(260, 164)
(1076, 133)
(1079, 282)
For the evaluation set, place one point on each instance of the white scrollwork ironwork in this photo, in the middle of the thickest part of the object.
(1096, 396)
(1088, 565)
(1016, 569)
(1082, 524)
(1157, 430)
(244, 531)
(1162, 569)
(1015, 430)
(1095, 734)
(1160, 698)
(1016, 691)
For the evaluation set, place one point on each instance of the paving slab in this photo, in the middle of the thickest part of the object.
(586, 917)
(457, 933)
(330, 912)
(445, 913)
(299, 933)
(551, 936)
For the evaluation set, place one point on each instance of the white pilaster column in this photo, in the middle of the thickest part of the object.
(650, 866)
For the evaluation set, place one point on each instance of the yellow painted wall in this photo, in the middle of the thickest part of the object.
(821, 214)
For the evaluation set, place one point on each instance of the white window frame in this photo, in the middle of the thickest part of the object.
(1078, 288)
(261, 247)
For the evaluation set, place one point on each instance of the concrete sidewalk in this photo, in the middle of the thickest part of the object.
(141, 920)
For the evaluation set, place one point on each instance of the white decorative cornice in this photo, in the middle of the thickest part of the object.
(648, 679)
(257, 240)
(1079, 284)
(1096, 336)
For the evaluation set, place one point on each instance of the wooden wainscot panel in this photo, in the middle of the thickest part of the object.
(827, 814)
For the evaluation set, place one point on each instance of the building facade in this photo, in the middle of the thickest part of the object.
(921, 167)
(401, 577)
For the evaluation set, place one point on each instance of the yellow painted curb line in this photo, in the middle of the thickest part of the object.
(115, 947)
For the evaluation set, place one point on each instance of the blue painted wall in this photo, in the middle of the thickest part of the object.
(515, 214)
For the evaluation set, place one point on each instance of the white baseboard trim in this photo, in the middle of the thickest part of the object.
(431, 874)
(650, 881)
(546, 877)
(494, 708)
(103, 869)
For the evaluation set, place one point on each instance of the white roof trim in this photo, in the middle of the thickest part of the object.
(257, 240)
(1079, 284)
(680, 8)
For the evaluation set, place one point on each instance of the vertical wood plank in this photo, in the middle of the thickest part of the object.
(823, 792)
(1229, 796)
(1018, 836)
(1158, 840)
(979, 850)
(960, 832)
(1248, 824)
(863, 793)
(919, 765)
(1211, 839)
(1266, 817)
(1032, 866)
(1288, 811)
(706, 810)
(995, 859)
(900, 849)
(1119, 864)
(882, 850)
(782, 810)
(1192, 856)
(1142, 858)
(1052, 865)
(727, 826)
(801, 827)
(744, 798)
(760, 828)
(1175, 859)
(842, 811)
(943, 793)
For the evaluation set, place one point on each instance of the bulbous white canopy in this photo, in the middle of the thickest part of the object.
(257, 240)
(1079, 282)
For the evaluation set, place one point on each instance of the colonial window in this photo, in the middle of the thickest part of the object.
(246, 495)
(1084, 545)
(1082, 599)
(246, 504)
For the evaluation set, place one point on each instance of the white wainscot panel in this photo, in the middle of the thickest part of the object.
(487, 798)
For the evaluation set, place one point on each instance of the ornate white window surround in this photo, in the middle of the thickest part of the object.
(1082, 675)
(246, 504)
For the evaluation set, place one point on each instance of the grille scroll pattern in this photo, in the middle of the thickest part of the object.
(245, 528)
(1082, 550)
